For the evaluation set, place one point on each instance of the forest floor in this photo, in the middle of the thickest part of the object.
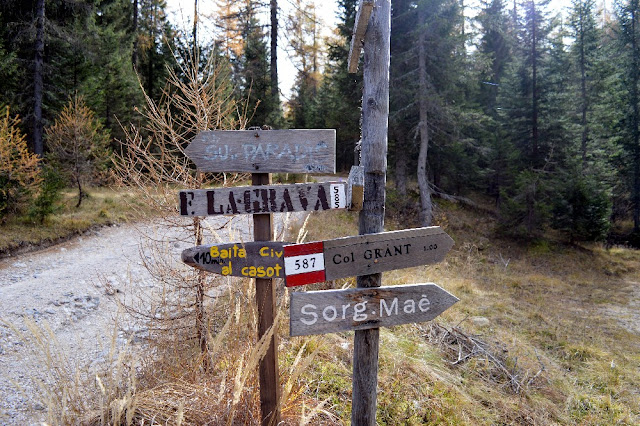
(61, 307)
(545, 332)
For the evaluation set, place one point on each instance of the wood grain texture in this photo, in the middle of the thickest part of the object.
(297, 197)
(269, 376)
(365, 7)
(264, 151)
(330, 311)
(387, 251)
(375, 121)
(355, 189)
(364, 255)
(256, 259)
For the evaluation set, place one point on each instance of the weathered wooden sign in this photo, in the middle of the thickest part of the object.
(258, 259)
(355, 188)
(364, 254)
(365, 7)
(264, 151)
(330, 311)
(297, 197)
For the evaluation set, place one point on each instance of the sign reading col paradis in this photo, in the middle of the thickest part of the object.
(270, 151)
(330, 311)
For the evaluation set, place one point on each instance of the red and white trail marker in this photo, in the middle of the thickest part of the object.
(304, 263)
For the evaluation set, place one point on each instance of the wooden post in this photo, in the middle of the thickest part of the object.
(266, 302)
(375, 117)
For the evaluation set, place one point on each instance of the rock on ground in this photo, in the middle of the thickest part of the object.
(72, 288)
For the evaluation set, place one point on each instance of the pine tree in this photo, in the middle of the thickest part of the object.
(524, 113)
(341, 92)
(628, 14)
(426, 85)
(303, 29)
(253, 68)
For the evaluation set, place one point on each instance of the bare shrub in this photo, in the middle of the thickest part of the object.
(152, 162)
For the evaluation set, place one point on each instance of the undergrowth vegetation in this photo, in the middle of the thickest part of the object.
(102, 207)
(545, 332)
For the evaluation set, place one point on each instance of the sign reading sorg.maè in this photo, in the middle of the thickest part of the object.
(330, 311)
(269, 151)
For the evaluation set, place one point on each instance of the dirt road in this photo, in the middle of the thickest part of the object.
(71, 288)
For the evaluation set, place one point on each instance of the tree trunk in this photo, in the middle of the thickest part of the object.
(635, 120)
(375, 124)
(426, 206)
(38, 80)
(401, 167)
(80, 193)
(534, 89)
(583, 94)
(134, 53)
(195, 29)
(152, 48)
(274, 50)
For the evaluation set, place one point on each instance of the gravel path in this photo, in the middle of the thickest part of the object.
(70, 287)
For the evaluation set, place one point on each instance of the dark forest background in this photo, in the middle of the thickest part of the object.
(537, 113)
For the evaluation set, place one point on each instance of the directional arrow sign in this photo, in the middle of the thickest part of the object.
(258, 259)
(268, 151)
(364, 254)
(264, 199)
(329, 311)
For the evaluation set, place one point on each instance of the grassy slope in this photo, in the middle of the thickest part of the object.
(556, 343)
(103, 207)
(558, 348)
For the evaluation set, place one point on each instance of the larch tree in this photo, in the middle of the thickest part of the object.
(79, 143)
(303, 29)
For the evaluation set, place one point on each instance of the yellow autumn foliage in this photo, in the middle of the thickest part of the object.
(19, 172)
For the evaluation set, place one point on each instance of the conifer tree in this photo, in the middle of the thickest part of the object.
(303, 28)
(79, 144)
(628, 14)
(339, 106)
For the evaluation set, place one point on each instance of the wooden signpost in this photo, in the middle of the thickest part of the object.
(365, 7)
(364, 254)
(299, 197)
(260, 152)
(256, 259)
(363, 309)
(330, 311)
(264, 151)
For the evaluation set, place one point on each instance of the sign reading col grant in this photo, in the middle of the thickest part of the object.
(364, 254)
(264, 151)
(330, 311)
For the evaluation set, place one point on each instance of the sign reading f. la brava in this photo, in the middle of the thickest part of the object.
(297, 197)
(268, 151)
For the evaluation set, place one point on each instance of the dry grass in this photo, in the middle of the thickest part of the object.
(545, 333)
(103, 206)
